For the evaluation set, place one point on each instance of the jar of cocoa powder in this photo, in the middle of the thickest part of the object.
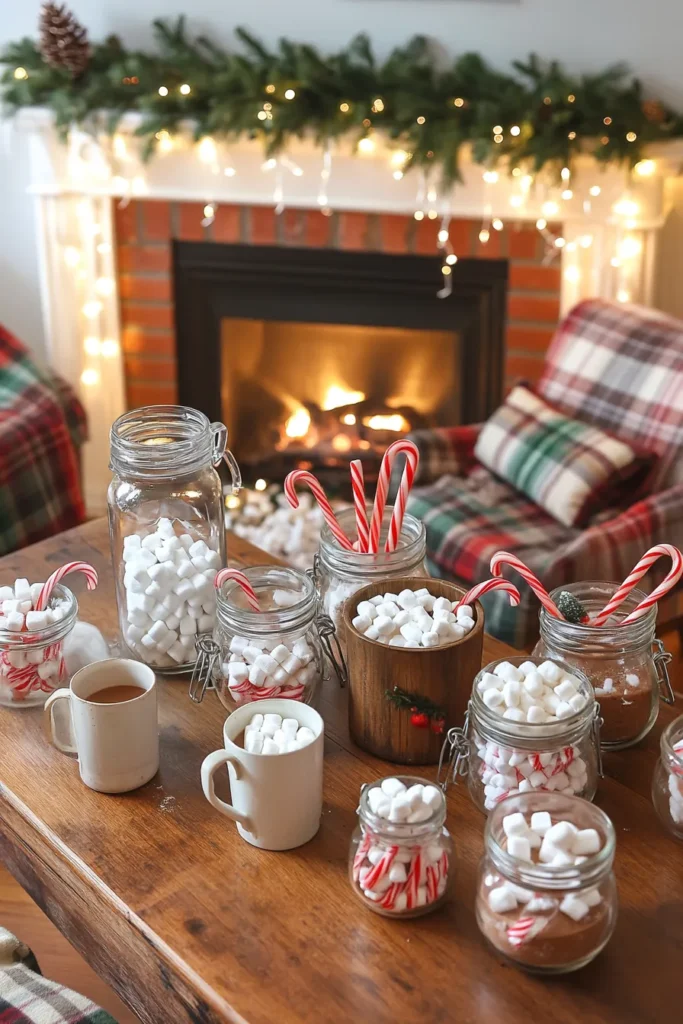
(626, 665)
(546, 894)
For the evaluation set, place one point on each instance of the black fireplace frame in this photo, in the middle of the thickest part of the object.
(213, 281)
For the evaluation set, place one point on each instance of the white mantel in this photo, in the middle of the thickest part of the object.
(609, 251)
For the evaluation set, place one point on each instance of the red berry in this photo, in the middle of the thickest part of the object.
(438, 725)
(419, 720)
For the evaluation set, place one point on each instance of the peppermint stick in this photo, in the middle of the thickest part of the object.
(502, 558)
(486, 587)
(57, 577)
(301, 476)
(636, 574)
(241, 580)
(358, 487)
(412, 458)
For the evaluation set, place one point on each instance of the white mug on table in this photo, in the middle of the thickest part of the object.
(277, 799)
(117, 744)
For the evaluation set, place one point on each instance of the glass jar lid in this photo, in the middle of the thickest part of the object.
(409, 552)
(168, 440)
(234, 613)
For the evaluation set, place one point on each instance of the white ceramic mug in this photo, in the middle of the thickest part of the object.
(277, 799)
(117, 744)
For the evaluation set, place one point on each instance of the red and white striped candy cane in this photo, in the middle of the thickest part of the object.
(388, 901)
(242, 581)
(636, 574)
(302, 476)
(358, 488)
(380, 869)
(363, 847)
(413, 880)
(502, 558)
(409, 449)
(486, 587)
(519, 931)
(57, 577)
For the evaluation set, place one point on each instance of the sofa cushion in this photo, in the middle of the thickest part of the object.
(569, 468)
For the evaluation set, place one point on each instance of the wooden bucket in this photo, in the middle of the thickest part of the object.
(442, 675)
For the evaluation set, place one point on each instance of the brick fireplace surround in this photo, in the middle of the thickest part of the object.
(145, 228)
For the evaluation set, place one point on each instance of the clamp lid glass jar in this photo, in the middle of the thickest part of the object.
(551, 910)
(275, 652)
(401, 868)
(166, 529)
(32, 661)
(339, 573)
(667, 781)
(503, 756)
(626, 665)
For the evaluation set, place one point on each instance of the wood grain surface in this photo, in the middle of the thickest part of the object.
(189, 923)
(442, 675)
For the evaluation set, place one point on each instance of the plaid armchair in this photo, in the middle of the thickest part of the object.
(614, 367)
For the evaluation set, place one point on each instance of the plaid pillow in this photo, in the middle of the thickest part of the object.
(570, 469)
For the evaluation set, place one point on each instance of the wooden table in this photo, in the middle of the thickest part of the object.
(189, 923)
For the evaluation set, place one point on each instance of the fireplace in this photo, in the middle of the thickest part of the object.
(312, 357)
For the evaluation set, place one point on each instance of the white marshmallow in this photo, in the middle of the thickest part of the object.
(550, 672)
(407, 599)
(392, 786)
(430, 639)
(15, 622)
(188, 626)
(37, 620)
(367, 609)
(586, 842)
(561, 835)
(502, 899)
(515, 824)
(304, 735)
(508, 672)
(574, 907)
(519, 847)
(541, 822)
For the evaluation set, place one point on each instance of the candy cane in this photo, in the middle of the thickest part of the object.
(358, 488)
(363, 847)
(388, 901)
(301, 476)
(486, 587)
(519, 931)
(380, 868)
(502, 558)
(636, 574)
(241, 580)
(57, 577)
(409, 449)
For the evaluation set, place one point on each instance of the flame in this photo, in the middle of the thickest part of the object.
(298, 423)
(348, 419)
(394, 422)
(335, 396)
(341, 443)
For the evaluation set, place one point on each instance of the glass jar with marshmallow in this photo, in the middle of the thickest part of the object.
(667, 781)
(532, 725)
(167, 529)
(401, 857)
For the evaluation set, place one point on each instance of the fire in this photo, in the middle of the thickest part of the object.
(394, 422)
(336, 396)
(298, 423)
(341, 443)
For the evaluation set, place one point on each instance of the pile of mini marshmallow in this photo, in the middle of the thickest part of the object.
(400, 876)
(404, 620)
(560, 844)
(273, 734)
(290, 533)
(35, 668)
(531, 693)
(676, 789)
(169, 583)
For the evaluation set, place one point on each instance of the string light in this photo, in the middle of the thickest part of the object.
(497, 224)
(631, 136)
(378, 106)
(516, 201)
(572, 274)
(586, 241)
(567, 194)
(397, 175)
(262, 115)
(104, 286)
(92, 309)
(595, 190)
(645, 168)
(490, 177)
(497, 129)
(185, 89)
(399, 158)
(604, 139)
(344, 107)
(516, 172)
(549, 208)
(497, 138)
(458, 102)
(421, 119)
(607, 120)
(90, 377)
(109, 348)
(21, 74)
(72, 256)
(515, 130)
(366, 145)
(163, 91)
(626, 208)
(571, 98)
(541, 224)
(207, 150)
(547, 100)
(571, 136)
(451, 259)
(629, 248)
(560, 242)
(92, 346)
(623, 295)
(432, 214)
(270, 88)
(565, 174)
(445, 270)
(209, 215)
(104, 248)
(484, 236)
(418, 215)
(290, 94)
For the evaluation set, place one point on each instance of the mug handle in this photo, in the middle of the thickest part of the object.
(210, 766)
(66, 747)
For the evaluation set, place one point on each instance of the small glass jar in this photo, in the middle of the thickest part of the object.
(276, 652)
(626, 665)
(166, 529)
(667, 781)
(339, 573)
(504, 757)
(396, 869)
(541, 932)
(31, 662)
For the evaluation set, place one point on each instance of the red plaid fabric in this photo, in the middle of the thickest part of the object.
(41, 423)
(628, 380)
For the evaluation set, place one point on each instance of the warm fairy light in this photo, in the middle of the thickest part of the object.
(104, 248)
(165, 141)
(185, 89)
(348, 419)
(490, 177)
(207, 150)
(630, 247)
(366, 122)
(269, 164)
(451, 259)
(526, 182)
(631, 136)
(92, 346)
(515, 130)
(516, 201)
(262, 116)
(595, 190)
(336, 397)
(565, 174)
(344, 107)
(90, 377)
(20, 74)
(567, 194)
(443, 235)
(560, 242)
(378, 106)
(497, 138)
(72, 256)
(497, 224)
(571, 97)
(626, 208)
(541, 223)
(392, 421)
(92, 309)
(550, 208)
(432, 214)
(163, 91)
(547, 100)
(232, 501)
(209, 211)
(421, 119)
(458, 102)
(397, 175)
(615, 262)
(572, 274)
(366, 145)
(484, 236)
(607, 120)
(109, 348)
(571, 136)
(104, 286)
(645, 168)
(497, 129)
(290, 94)
(418, 215)
(298, 423)
(586, 241)
(516, 172)
(623, 295)
(260, 484)
(229, 172)
(445, 269)
(119, 147)
(342, 443)
(270, 88)
(398, 158)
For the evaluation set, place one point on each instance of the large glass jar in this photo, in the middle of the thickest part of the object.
(667, 781)
(275, 652)
(626, 665)
(339, 573)
(503, 757)
(32, 661)
(397, 868)
(548, 917)
(166, 529)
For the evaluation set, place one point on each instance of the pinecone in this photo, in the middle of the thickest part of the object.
(654, 111)
(571, 608)
(63, 42)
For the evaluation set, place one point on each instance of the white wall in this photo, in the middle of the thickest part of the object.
(584, 34)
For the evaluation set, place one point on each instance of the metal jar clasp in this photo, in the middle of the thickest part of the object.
(661, 659)
(454, 757)
(208, 652)
(328, 635)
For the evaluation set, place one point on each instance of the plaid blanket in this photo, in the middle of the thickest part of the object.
(28, 998)
(42, 423)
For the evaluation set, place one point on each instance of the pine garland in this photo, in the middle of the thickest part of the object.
(424, 713)
(428, 112)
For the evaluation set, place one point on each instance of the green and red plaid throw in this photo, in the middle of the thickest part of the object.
(41, 424)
